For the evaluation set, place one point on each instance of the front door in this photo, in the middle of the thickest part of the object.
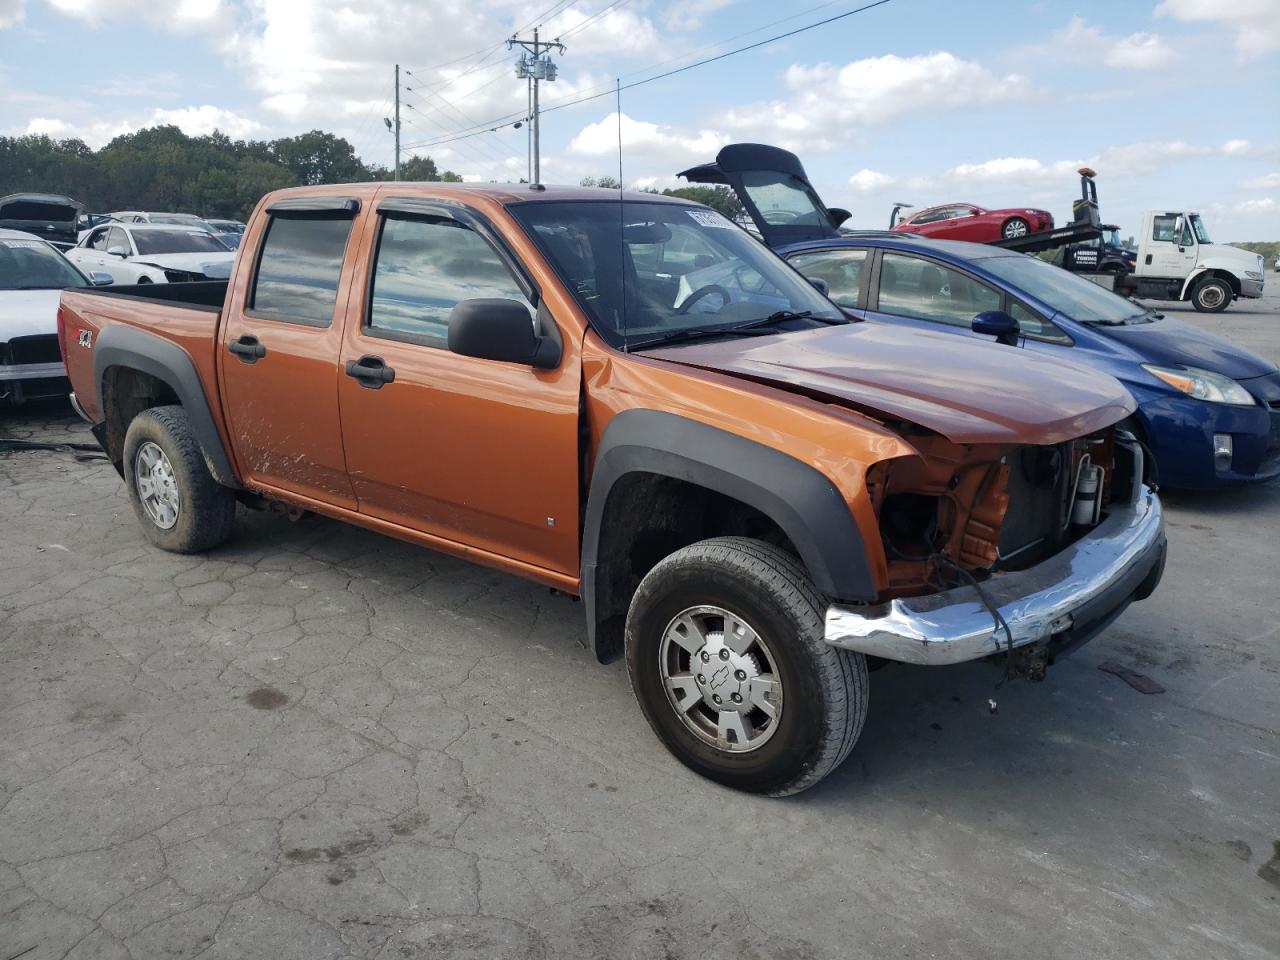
(476, 452)
(279, 363)
(1171, 248)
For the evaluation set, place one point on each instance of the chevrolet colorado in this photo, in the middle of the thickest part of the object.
(628, 399)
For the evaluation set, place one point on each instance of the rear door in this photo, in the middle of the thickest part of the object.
(476, 452)
(281, 338)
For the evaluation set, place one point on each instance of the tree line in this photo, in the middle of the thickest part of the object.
(162, 168)
(716, 197)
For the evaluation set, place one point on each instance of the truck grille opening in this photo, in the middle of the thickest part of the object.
(38, 349)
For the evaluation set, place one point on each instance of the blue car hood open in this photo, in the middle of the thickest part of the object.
(1173, 342)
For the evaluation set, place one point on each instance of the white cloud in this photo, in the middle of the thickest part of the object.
(180, 16)
(11, 12)
(1237, 148)
(1267, 181)
(868, 181)
(645, 145)
(1256, 22)
(203, 120)
(828, 102)
(1081, 42)
(193, 121)
(688, 16)
(1259, 206)
(618, 32)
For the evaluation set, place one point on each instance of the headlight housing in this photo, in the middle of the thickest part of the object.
(1252, 275)
(1202, 384)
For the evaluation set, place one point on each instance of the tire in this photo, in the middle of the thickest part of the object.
(1211, 295)
(181, 507)
(767, 595)
(1014, 227)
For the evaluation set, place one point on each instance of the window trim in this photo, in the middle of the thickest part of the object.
(420, 209)
(250, 308)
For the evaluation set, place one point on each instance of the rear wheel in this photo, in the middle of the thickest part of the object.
(1014, 227)
(179, 504)
(726, 656)
(1211, 295)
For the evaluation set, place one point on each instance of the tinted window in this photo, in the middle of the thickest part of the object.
(841, 269)
(424, 268)
(176, 241)
(780, 199)
(911, 287)
(1033, 325)
(34, 265)
(1061, 291)
(299, 270)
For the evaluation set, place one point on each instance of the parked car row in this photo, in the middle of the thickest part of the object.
(154, 251)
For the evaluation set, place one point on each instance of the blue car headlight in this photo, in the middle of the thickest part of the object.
(1202, 384)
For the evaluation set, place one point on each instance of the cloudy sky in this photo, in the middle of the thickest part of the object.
(1175, 102)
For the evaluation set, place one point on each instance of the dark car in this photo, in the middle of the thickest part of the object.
(1207, 409)
(46, 215)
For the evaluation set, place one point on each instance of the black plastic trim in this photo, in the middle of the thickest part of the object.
(327, 207)
(124, 346)
(802, 501)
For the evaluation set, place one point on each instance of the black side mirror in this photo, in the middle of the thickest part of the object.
(820, 285)
(998, 324)
(494, 329)
(838, 215)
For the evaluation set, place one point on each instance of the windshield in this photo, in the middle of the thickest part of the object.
(34, 265)
(176, 241)
(1202, 234)
(675, 268)
(1059, 290)
(1111, 238)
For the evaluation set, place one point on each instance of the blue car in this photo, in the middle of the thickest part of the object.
(1208, 410)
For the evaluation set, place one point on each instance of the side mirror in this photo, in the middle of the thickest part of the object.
(998, 324)
(494, 329)
(118, 250)
(838, 215)
(820, 285)
(100, 279)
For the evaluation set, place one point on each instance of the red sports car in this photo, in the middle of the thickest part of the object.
(964, 221)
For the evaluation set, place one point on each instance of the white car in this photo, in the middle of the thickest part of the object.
(33, 275)
(144, 216)
(152, 253)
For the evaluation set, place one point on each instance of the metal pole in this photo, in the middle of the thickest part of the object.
(537, 172)
(397, 174)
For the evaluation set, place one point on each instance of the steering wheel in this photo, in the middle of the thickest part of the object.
(702, 292)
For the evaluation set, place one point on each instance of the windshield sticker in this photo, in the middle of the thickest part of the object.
(21, 244)
(709, 218)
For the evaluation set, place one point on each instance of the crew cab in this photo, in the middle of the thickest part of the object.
(753, 495)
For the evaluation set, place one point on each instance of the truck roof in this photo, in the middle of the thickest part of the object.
(503, 193)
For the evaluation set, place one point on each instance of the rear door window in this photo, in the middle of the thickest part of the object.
(299, 270)
(843, 271)
(924, 290)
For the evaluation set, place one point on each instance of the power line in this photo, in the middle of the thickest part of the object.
(507, 120)
(578, 28)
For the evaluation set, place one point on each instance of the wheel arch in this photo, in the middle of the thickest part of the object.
(134, 370)
(648, 461)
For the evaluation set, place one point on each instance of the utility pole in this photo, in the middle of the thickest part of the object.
(534, 65)
(395, 128)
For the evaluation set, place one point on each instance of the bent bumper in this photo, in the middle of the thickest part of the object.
(1067, 598)
(1251, 289)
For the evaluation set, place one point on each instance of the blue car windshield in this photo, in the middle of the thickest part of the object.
(1065, 292)
(647, 271)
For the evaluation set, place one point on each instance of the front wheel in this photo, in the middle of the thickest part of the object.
(726, 657)
(1014, 227)
(1211, 295)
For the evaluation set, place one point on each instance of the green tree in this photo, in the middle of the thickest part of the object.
(319, 157)
(716, 197)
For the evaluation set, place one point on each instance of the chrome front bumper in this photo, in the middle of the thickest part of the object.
(1072, 595)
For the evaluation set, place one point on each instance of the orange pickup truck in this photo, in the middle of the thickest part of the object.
(628, 399)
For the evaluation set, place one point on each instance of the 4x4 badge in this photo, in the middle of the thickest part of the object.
(85, 338)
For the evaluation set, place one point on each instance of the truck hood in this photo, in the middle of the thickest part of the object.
(28, 313)
(215, 266)
(1172, 341)
(968, 392)
(1229, 258)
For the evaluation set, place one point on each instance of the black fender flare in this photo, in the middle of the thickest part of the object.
(800, 499)
(124, 346)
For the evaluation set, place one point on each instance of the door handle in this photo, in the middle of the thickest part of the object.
(371, 372)
(247, 348)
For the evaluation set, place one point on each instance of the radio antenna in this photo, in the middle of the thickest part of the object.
(622, 221)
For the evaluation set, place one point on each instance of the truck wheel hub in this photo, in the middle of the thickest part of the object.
(721, 678)
(157, 486)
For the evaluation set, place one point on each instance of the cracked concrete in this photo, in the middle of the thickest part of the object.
(316, 742)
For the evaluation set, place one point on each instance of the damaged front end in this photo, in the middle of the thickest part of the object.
(1021, 550)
